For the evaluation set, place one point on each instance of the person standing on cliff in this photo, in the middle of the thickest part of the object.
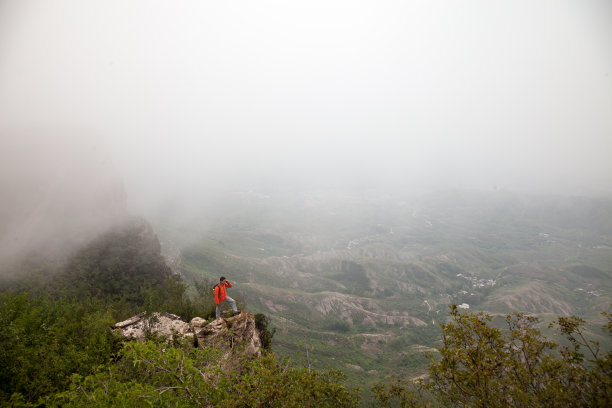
(221, 296)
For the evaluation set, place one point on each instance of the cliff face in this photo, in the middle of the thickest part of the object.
(227, 333)
(237, 333)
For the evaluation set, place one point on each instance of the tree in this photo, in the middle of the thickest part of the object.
(483, 366)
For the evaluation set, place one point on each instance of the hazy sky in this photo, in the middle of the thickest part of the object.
(198, 96)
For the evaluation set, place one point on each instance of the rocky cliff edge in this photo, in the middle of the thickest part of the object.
(226, 334)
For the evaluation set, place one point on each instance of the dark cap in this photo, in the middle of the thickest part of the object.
(221, 279)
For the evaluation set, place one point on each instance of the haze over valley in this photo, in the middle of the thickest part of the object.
(354, 168)
(364, 281)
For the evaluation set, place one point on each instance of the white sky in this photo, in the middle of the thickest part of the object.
(197, 96)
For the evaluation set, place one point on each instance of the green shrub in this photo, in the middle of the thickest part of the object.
(152, 374)
(265, 333)
(44, 341)
(483, 366)
(337, 325)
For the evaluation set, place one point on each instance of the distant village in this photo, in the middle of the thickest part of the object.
(590, 292)
(477, 283)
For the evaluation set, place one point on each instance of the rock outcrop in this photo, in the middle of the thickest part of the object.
(141, 326)
(229, 333)
(226, 334)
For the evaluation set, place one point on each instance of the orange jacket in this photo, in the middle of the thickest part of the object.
(221, 291)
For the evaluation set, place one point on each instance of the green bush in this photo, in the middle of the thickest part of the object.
(483, 366)
(44, 341)
(337, 325)
(265, 333)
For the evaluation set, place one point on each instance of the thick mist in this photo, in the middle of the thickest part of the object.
(57, 193)
(196, 99)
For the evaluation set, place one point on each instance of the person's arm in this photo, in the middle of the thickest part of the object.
(228, 283)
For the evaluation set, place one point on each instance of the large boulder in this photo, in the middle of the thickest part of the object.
(142, 326)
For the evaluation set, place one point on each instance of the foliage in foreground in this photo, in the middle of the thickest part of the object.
(44, 341)
(56, 324)
(483, 366)
(61, 352)
(47, 337)
(152, 374)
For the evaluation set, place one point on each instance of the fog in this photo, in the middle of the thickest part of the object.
(194, 99)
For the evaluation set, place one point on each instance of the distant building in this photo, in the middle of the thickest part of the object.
(463, 306)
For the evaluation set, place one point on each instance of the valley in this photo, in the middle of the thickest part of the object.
(360, 284)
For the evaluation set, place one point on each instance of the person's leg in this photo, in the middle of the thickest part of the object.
(218, 310)
(232, 303)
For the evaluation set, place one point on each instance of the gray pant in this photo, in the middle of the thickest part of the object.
(232, 303)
